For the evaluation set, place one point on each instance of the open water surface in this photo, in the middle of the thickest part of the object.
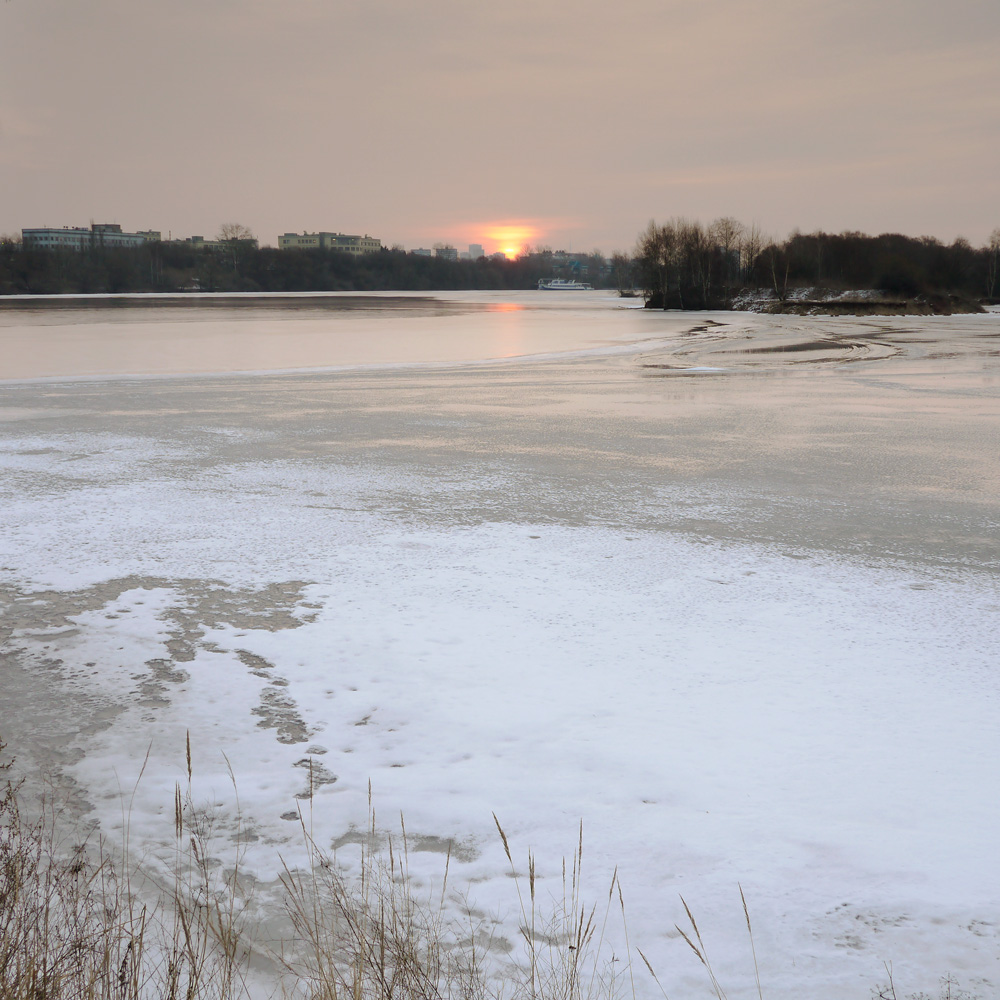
(75, 336)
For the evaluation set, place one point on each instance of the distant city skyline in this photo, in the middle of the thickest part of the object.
(501, 124)
(505, 241)
(509, 240)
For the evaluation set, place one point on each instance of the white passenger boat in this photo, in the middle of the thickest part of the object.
(561, 284)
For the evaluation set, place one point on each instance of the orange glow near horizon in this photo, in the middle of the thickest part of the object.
(511, 238)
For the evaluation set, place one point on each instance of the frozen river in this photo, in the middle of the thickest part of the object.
(722, 586)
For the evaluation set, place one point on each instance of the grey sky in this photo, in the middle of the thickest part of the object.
(431, 120)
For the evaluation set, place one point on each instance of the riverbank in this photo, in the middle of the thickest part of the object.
(861, 302)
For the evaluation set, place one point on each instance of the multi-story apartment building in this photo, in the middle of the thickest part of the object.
(293, 241)
(329, 241)
(106, 234)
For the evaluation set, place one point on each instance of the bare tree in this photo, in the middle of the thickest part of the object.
(657, 250)
(752, 244)
(778, 264)
(621, 267)
(698, 251)
(234, 231)
(676, 259)
(238, 238)
(727, 233)
(992, 263)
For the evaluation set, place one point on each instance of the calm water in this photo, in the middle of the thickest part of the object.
(195, 334)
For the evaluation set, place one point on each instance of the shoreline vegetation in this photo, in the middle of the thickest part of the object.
(87, 920)
(84, 920)
(680, 264)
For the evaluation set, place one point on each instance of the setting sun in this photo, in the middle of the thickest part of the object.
(512, 238)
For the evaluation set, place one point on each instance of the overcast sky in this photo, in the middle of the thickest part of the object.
(420, 121)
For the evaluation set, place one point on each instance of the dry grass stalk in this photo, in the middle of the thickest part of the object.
(753, 947)
(77, 922)
(567, 959)
(700, 950)
(367, 936)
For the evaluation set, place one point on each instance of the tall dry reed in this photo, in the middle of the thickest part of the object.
(77, 920)
(80, 921)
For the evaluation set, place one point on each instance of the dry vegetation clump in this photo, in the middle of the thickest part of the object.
(84, 922)
(78, 922)
(371, 938)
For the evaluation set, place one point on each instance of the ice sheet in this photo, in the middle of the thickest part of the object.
(289, 579)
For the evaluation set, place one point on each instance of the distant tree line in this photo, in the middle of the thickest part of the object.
(686, 265)
(241, 267)
(678, 264)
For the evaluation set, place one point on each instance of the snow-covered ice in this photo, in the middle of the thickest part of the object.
(742, 624)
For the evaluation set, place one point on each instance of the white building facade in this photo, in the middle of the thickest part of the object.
(107, 234)
(329, 241)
